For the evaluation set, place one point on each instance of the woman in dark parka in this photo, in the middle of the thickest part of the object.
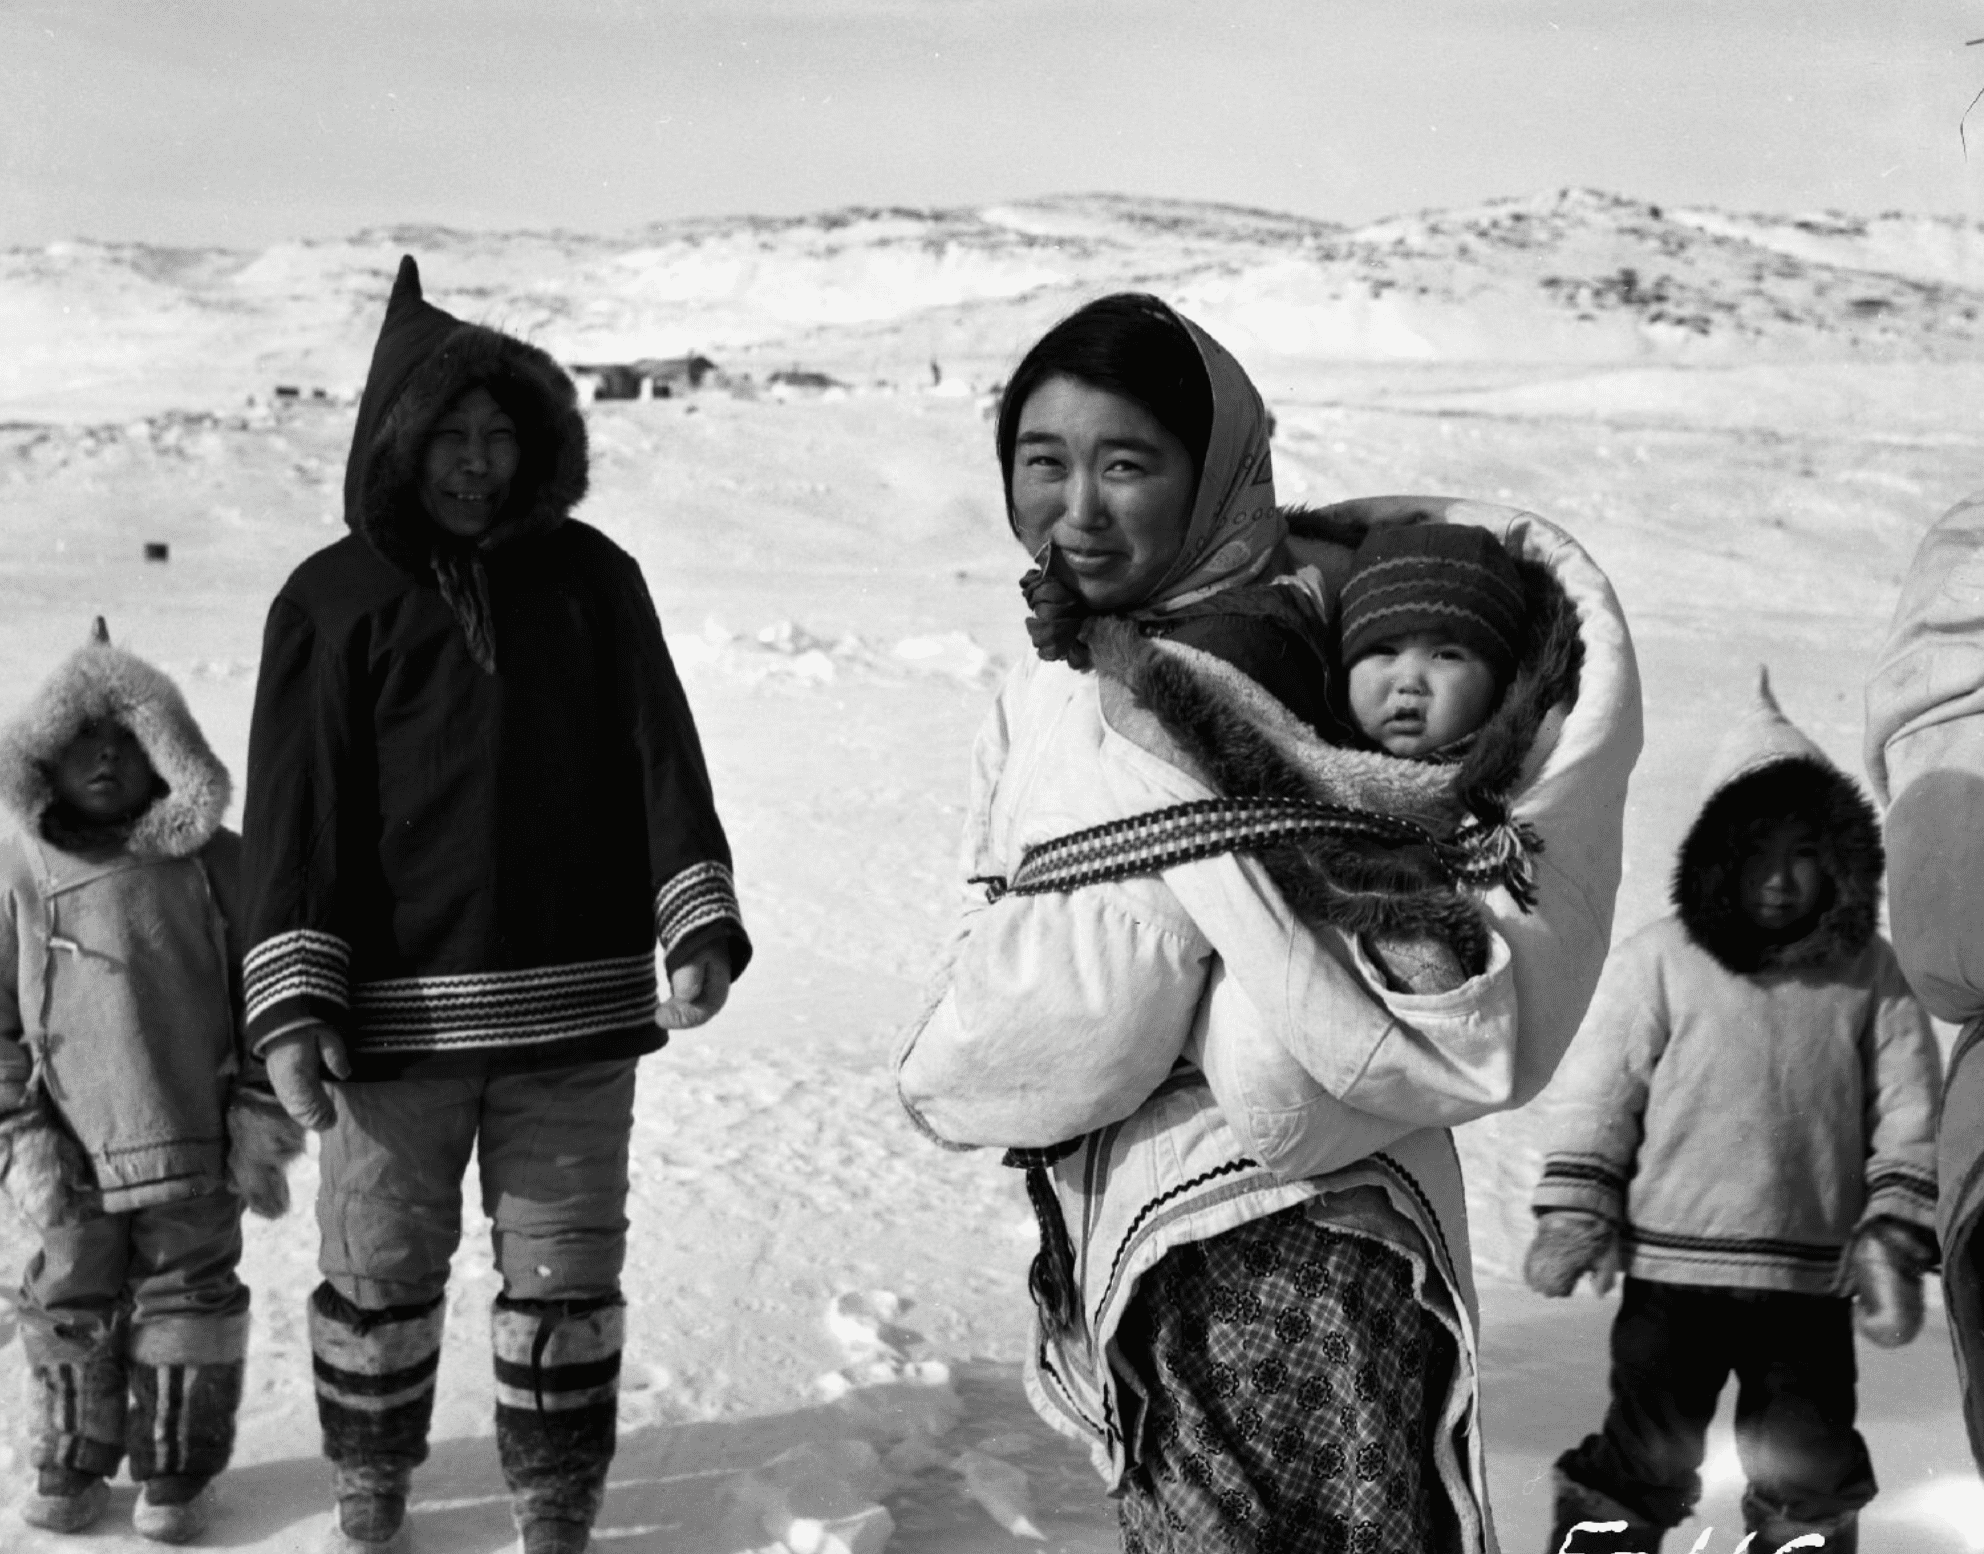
(476, 803)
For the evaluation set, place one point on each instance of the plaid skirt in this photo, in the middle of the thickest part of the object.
(1293, 1383)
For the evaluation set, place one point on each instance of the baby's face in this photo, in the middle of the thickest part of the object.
(103, 773)
(1781, 882)
(1420, 690)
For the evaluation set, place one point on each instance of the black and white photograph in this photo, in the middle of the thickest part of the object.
(951, 776)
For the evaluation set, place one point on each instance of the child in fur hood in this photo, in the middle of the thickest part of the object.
(132, 1130)
(1750, 1136)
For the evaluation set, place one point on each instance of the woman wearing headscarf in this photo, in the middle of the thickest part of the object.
(1228, 1054)
(476, 808)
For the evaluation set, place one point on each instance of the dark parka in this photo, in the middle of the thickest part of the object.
(476, 799)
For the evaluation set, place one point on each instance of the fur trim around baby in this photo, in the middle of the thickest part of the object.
(262, 1139)
(1707, 876)
(1247, 745)
(97, 682)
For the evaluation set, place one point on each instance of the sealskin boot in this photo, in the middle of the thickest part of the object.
(370, 1516)
(65, 1500)
(557, 1390)
(1774, 1527)
(173, 1508)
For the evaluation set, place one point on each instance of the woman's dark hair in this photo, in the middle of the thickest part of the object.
(1129, 344)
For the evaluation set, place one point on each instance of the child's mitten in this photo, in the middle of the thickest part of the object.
(262, 1139)
(1570, 1243)
(43, 1170)
(1885, 1262)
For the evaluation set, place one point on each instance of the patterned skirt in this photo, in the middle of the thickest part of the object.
(1293, 1386)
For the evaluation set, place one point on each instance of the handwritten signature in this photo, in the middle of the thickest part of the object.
(1805, 1540)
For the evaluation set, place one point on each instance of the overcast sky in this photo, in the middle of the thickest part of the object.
(239, 122)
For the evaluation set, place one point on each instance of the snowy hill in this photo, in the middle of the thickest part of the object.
(1567, 276)
(1749, 420)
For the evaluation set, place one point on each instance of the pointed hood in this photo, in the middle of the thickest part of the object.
(423, 360)
(1766, 769)
(102, 682)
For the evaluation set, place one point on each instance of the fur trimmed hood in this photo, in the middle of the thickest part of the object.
(1766, 770)
(99, 681)
(1248, 745)
(425, 358)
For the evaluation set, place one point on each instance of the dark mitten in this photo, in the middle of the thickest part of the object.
(43, 1170)
(262, 1139)
(1569, 1244)
(1059, 613)
(1885, 1263)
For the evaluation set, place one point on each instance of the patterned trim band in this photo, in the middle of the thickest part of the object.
(702, 894)
(1205, 828)
(505, 1008)
(299, 964)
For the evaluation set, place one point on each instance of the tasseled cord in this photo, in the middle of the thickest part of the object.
(464, 585)
(1051, 1279)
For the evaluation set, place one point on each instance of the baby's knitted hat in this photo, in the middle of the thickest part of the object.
(1451, 577)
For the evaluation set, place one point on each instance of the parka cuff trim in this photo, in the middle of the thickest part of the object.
(1905, 1194)
(701, 896)
(298, 966)
(1587, 1182)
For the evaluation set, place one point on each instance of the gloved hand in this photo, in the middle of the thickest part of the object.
(1570, 1243)
(262, 1139)
(696, 990)
(1885, 1263)
(296, 1061)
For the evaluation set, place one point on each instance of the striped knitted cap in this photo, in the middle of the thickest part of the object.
(1450, 577)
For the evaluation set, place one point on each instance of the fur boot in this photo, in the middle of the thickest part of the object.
(43, 1170)
(262, 1139)
(375, 1399)
(557, 1389)
(1587, 1522)
(186, 1377)
(1569, 1244)
(76, 1390)
(1775, 1528)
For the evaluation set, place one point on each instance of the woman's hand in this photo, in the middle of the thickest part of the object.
(697, 989)
(295, 1061)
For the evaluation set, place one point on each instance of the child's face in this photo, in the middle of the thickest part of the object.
(1781, 882)
(1420, 690)
(471, 457)
(103, 773)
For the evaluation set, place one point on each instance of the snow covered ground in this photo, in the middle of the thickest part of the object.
(827, 1315)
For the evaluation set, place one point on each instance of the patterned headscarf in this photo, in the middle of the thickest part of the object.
(1236, 533)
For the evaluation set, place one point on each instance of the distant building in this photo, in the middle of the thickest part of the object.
(651, 377)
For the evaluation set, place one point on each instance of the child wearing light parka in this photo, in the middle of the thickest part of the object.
(132, 1134)
(1749, 1136)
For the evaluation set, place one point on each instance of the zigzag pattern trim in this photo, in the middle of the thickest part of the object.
(303, 963)
(1204, 828)
(505, 1008)
(702, 894)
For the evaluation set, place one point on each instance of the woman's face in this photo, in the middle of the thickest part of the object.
(1099, 476)
(471, 457)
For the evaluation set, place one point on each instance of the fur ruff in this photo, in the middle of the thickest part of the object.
(262, 1139)
(531, 387)
(100, 681)
(1707, 875)
(1249, 746)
